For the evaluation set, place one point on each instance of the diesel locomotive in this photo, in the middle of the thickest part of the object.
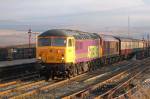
(63, 52)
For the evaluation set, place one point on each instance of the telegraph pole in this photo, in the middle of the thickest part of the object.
(29, 34)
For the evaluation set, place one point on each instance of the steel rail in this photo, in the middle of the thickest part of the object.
(118, 86)
(50, 86)
(85, 91)
(124, 84)
(23, 91)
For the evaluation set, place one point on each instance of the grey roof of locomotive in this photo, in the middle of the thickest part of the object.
(66, 32)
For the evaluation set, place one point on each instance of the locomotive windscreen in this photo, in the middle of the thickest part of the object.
(44, 42)
(58, 42)
(52, 41)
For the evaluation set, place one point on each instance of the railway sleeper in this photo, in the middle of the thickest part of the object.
(102, 89)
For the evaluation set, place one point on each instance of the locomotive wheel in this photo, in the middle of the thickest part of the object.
(98, 63)
(89, 66)
(75, 70)
(52, 76)
(85, 67)
(72, 70)
(95, 64)
(69, 71)
(66, 73)
(80, 68)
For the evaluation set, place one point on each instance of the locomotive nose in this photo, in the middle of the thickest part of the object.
(52, 55)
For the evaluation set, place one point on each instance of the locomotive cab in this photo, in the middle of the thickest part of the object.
(54, 50)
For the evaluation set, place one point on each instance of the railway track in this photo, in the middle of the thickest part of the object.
(17, 79)
(29, 88)
(102, 89)
(40, 88)
(132, 87)
(23, 76)
(58, 90)
(123, 84)
(7, 88)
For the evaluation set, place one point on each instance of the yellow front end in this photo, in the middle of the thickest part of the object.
(51, 54)
(57, 54)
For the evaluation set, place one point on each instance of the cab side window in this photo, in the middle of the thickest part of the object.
(70, 43)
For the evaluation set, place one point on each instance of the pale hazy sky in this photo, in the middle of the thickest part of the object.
(72, 12)
(88, 15)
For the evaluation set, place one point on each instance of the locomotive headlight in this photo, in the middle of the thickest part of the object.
(62, 58)
(39, 58)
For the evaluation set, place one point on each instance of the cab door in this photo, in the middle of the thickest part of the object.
(70, 54)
